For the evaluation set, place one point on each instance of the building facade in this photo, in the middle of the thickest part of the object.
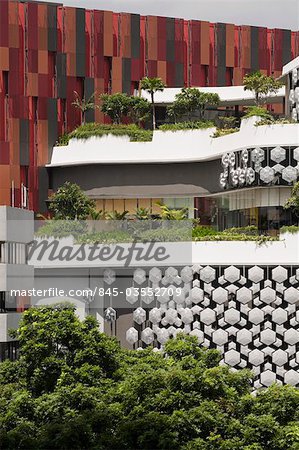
(48, 51)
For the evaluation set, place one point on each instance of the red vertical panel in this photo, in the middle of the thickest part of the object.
(60, 21)
(4, 23)
(161, 30)
(262, 50)
(32, 26)
(212, 68)
(152, 68)
(186, 45)
(88, 40)
(115, 34)
(277, 51)
(142, 55)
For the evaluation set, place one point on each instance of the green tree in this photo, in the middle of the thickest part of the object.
(261, 85)
(75, 388)
(177, 109)
(70, 203)
(139, 109)
(152, 85)
(293, 202)
(116, 106)
(193, 100)
(55, 344)
(84, 105)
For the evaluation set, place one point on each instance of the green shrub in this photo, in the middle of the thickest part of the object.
(105, 237)
(293, 229)
(186, 125)
(135, 133)
(250, 230)
(202, 231)
(272, 121)
(224, 131)
(62, 228)
(257, 111)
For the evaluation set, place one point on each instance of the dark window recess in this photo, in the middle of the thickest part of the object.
(108, 74)
(9, 350)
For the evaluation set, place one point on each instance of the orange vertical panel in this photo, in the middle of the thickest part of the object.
(230, 47)
(116, 75)
(70, 27)
(108, 33)
(5, 196)
(125, 35)
(15, 175)
(5, 176)
(43, 62)
(4, 58)
(13, 26)
(42, 15)
(204, 43)
(152, 40)
(162, 70)
(245, 47)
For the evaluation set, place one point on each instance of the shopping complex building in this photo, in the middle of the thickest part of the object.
(239, 297)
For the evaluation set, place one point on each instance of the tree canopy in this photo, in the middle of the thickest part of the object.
(191, 100)
(70, 203)
(75, 388)
(261, 85)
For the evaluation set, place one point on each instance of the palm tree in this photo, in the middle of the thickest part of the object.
(84, 104)
(152, 85)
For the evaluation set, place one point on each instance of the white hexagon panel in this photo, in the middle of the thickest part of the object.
(220, 295)
(278, 154)
(256, 274)
(232, 274)
(207, 274)
(289, 174)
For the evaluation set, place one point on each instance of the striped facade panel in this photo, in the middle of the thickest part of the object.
(80, 43)
(254, 49)
(48, 51)
(286, 46)
(221, 53)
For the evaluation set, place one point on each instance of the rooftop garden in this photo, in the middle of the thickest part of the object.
(135, 117)
(74, 214)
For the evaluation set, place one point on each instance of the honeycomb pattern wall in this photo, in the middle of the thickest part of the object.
(251, 314)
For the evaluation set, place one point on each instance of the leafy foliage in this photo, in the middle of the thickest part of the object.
(186, 126)
(293, 202)
(70, 203)
(293, 229)
(61, 228)
(261, 85)
(116, 106)
(75, 388)
(139, 109)
(252, 111)
(224, 132)
(135, 133)
(191, 100)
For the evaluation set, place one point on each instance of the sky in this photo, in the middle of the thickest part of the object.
(268, 13)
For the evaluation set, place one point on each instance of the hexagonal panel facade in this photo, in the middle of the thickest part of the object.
(251, 314)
